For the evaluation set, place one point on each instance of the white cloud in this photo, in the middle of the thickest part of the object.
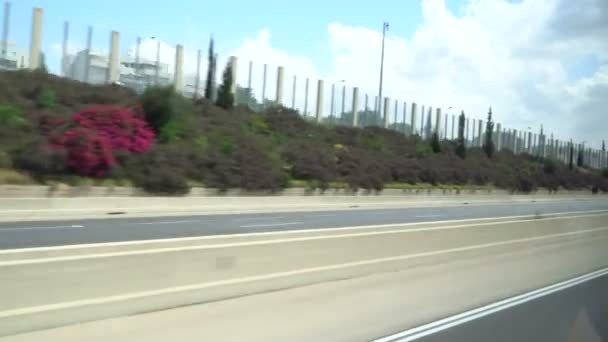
(512, 56)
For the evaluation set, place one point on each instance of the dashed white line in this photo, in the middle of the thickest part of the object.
(168, 222)
(257, 218)
(271, 224)
(73, 226)
(427, 216)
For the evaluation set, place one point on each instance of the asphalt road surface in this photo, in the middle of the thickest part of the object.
(58, 233)
(579, 313)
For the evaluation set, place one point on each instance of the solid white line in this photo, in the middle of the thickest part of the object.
(446, 323)
(41, 228)
(271, 224)
(289, 232)
(425, 216)
(168, 222)
(270, 276)
(260, 242)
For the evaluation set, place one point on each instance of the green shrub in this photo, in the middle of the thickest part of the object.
(11, 116)
(605, 172)
(41, 160)
(549, 166)
(163, 181)
(159, 105)
(46, 99)
(423, 150)
(258, 124)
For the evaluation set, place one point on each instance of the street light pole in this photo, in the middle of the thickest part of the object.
(384, 29)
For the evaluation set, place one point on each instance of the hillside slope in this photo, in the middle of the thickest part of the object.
(59, 130)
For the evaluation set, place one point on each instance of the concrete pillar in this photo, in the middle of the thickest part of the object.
(413, 119)
(306, 86)
(396, 113)
(422, 122)
(366, 106)
(5, 30)
(319, 109)
(473, 135)
(343, 102)
(178, 77)
(264, 78)
(429, 122)
(280, 78)
(466, 133)
(405, 130)
(332, 102)
(438, 121)
(234, 67)
(498, 137)
(114, 62)
(445, 129)
(515, 141)
(157, 71)
(529, 142)
(480, 133)
(197, 80)
(453, 126)
(293, 92)
(250, 77)
(387, 103)
(355, 107)
(36, 40)
(64, 49)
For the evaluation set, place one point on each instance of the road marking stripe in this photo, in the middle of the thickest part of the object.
(271, 224)
(257, 218)
(41, 228)
(200, 286)
(266, 242)
(446, 323)
(288, 232)
(427, 216)
(167, 222)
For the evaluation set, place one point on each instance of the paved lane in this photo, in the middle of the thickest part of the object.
(579, 313)
(56, 233)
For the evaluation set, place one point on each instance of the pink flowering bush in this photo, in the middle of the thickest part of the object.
(96, 133)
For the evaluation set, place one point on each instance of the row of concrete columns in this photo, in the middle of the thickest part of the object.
(512, 139)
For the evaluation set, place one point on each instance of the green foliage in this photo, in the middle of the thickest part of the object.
(549, 166)
(605, 173)
(202, 142)
(461, 149)
(11, 116)
(436, 146)
(423, 150)
(159, 105)
(488, 144)
(222, 141)
(580, 159)
(46, 99)
(171, 131)
(259, 125)
(225, 96)
(374, 142)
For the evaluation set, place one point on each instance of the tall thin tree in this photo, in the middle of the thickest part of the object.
(225, 96)
(488, 145)
(211, 64)
(461, 149)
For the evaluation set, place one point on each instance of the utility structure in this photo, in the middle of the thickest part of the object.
(384, 29)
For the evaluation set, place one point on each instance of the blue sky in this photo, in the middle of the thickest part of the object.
(299, 27)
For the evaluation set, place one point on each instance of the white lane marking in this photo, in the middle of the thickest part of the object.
(257, 218)
(168, 222)
(271, 224)
(446, 323)
(287, 232)
(270, 276)
(41, 228)
(327, 215)
(262, 242)
(427, 216)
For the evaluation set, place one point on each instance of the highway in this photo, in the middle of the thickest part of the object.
(115, 229)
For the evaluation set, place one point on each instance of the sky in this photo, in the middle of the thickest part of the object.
(533, 61)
